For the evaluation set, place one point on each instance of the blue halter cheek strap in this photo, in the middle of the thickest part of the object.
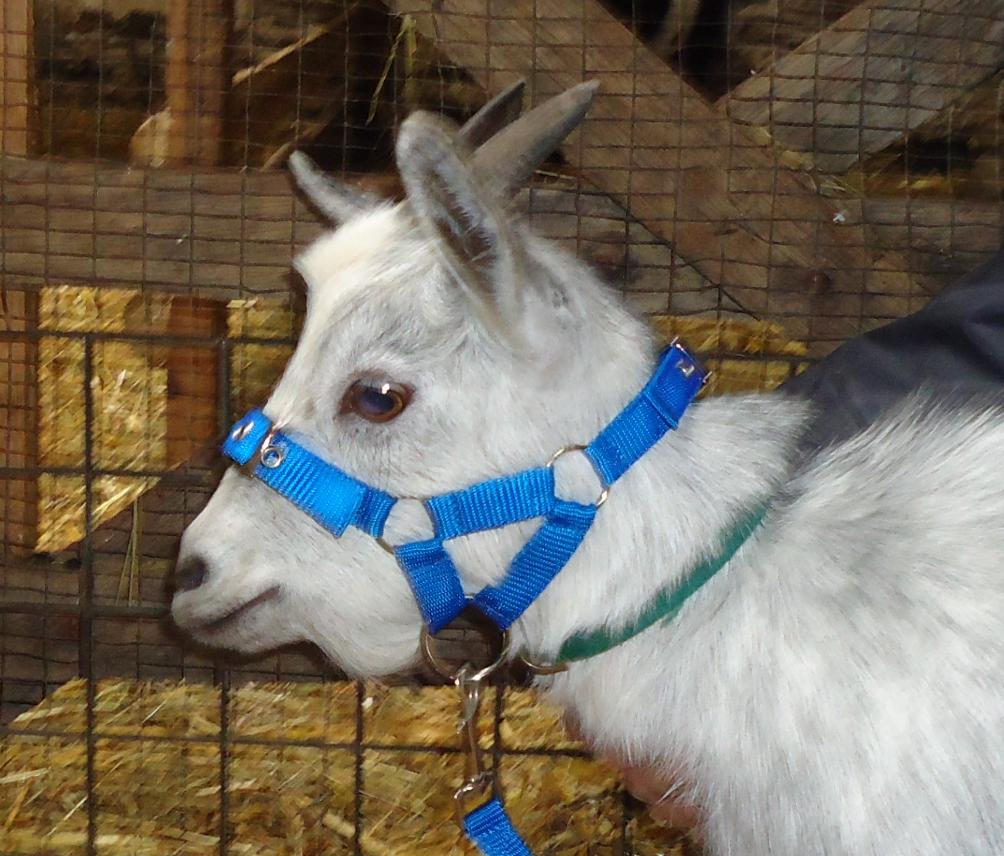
(336, 500)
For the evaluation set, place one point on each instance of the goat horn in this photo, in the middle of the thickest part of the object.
(500, 111)
(340, 202)
(507, 160)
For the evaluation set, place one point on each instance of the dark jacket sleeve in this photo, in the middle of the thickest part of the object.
(955, 345)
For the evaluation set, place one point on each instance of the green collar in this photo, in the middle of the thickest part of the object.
(668, 603)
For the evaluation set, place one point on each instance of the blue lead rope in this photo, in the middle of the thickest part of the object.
(337, 500)
(491, 829)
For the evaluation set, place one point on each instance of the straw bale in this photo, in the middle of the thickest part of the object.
(730, 335)
(564, 805)
(407, 802)
(61, 401)
(94, 309)
(292, 766)
(753, 343)
(129, 394)
(158, 796)
(650, 838)
(157, 766)
(291, 799)
(261, 317)
(528, 724)
(254, 368)
(123, 707)
(295, 712)
(418, 716)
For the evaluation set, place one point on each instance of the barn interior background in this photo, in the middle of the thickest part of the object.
(766, 178)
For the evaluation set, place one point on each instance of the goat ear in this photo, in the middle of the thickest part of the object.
(464, 221)
(338, 202)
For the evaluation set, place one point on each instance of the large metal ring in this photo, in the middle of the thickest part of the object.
(577, 447)
(450, 674)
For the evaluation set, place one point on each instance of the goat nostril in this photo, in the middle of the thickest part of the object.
(190, 573)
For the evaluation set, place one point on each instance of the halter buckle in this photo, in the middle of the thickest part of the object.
(691, 365)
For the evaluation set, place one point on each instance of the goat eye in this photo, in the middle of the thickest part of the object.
(376, 402)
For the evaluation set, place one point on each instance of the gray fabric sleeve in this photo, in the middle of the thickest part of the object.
(954, 346)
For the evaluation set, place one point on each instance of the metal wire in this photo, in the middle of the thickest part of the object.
(797, 122)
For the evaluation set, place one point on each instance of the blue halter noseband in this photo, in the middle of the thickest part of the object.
(336, 500)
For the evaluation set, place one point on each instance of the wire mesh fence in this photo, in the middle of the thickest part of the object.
(767, 179)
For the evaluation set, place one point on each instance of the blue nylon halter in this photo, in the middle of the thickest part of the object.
(336, 500)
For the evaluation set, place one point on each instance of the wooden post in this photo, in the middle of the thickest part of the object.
(197, 79)
(192, 376)
(18, 420)
(880, 71)
(17, 77)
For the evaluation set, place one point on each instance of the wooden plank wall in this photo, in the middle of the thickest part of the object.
(882, 70)
(216, 234)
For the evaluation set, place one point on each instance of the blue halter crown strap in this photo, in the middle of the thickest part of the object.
(337, 500)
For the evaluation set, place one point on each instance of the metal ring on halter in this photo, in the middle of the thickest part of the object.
(451, 675)
(577, 447)
(383, 542)
(543, 669)
(272, 454)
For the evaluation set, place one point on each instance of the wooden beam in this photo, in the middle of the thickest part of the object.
(947, 237)
(220, 234)
(880, 71)
(728, 204)
(17, 77)
(197, 79)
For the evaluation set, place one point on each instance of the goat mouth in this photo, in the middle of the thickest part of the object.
(216, 624)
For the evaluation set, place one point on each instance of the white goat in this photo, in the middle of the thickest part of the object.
(836, 689)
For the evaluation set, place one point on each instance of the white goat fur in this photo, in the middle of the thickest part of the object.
(836, 689)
